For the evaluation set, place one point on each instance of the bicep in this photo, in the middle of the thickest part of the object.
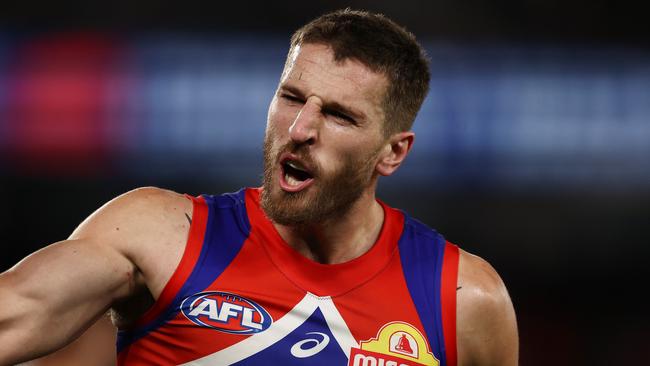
(54, 294)
(95, 347)
(487, 326)
(75, 275)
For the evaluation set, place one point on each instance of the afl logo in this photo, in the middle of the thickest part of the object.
(226, 312)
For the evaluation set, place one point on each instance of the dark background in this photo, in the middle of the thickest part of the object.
(572, 247)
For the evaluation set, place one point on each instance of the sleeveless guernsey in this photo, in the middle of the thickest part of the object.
(241, 296)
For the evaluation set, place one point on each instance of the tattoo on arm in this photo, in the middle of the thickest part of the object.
(188, 218)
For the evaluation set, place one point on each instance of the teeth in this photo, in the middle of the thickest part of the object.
(295, 166)
(291, 180)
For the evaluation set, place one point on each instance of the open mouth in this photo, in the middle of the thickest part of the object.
(295, 177)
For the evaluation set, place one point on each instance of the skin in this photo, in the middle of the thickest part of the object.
(124, 254)
(299, 112)
(127, 248)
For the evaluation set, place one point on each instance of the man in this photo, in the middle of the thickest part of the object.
(310, 269)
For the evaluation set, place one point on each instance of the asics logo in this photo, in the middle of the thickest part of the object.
(310, 346)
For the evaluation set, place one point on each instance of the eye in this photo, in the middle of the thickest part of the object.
(290, 98)
(341, 116)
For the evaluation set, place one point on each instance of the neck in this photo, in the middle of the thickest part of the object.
(338, 239)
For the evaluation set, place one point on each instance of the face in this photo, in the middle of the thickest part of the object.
(323, 137)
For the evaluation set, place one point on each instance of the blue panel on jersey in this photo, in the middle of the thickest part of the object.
(226, 231)
(421, 251)
(312, 343)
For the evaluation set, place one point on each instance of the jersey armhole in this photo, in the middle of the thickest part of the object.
(448, 289)
(190, 255)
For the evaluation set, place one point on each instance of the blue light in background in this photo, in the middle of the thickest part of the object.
(497, 115)
(204, 102)
(524, 115)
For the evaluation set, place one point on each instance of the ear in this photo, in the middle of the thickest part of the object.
(395, 151)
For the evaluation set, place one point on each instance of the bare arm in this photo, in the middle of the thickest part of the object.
(487, 326)
(53, 295)
(95, 347)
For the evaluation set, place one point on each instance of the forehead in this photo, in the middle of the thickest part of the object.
(311, 68)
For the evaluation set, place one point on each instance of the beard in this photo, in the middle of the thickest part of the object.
(330, 195)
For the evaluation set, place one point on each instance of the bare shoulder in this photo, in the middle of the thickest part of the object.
(486, 326)
(480, 279)
(127, 248)
(125, 252)
(149, 226)
(141, 206)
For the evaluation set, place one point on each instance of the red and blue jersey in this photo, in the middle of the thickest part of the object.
(242, 296)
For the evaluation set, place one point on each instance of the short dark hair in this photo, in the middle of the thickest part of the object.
(383, 46)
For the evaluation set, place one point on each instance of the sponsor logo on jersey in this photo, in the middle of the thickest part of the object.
(396, 344)
(226, 312)
(310, 346)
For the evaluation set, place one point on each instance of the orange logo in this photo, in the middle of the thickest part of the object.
(396, 344)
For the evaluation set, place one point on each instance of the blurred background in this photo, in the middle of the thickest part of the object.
(532, 149)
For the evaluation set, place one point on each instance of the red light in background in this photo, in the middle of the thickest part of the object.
(57, 103)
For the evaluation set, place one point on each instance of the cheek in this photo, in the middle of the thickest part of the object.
(334, 157)
(272, 142)
(271, 116)
(356, 150)
(280, 116)
(274, 124)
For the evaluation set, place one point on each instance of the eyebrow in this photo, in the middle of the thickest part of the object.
(328, 106)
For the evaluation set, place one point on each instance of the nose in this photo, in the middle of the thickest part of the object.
(304, 129)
